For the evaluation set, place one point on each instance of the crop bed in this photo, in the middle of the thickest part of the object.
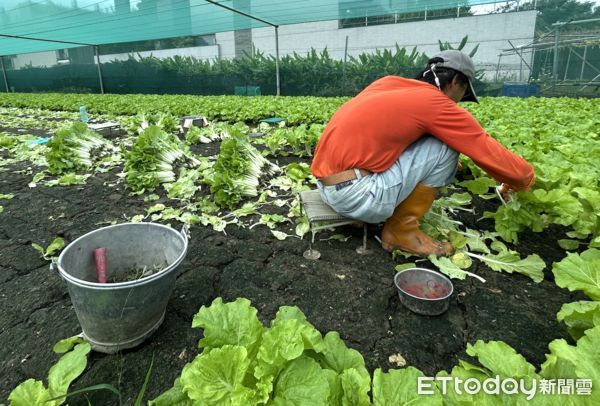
(257, 254)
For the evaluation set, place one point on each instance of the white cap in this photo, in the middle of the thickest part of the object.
(460, 62)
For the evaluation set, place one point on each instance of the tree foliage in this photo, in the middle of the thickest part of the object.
(552, 11)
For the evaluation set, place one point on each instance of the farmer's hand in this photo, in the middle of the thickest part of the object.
(504, 191)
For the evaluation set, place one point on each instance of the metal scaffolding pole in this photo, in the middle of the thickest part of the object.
(567, 67)
(277, 79)
(583, 62)
(99, 69)
(519, 53)
(46, 40)
(589, 20)
(590, 82)
(550, 45)
(498, 67)
(586, 62)
(555, 60)
(521, 66)
(346, 51)
(4, 73)
(531, 73)
(556, 41)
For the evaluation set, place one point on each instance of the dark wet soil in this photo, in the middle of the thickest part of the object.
(342, 291)
(33, 131)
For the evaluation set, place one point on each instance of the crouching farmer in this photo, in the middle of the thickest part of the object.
(385, 153)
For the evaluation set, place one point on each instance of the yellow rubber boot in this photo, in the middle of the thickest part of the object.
(401, 231)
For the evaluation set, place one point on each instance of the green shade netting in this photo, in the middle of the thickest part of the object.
(100, 22)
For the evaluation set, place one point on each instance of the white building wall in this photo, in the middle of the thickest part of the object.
(38, 59)
(491, 31)
(209, 52)
(226, 41)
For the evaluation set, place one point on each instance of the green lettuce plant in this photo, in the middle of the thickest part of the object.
(580, 272)
(237, 170)
(155, 158)
(565, 161)
(76, 148)
(60, 376)
(288, 362)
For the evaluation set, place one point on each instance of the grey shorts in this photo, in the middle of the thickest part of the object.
(374, 197)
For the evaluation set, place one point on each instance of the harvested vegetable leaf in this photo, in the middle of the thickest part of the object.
(55, 246)
(237, 171)
(156, 158)
(76, 148)
(402, 267)
(509, 261)
(186, 186)
(280, 235)
(68, 179)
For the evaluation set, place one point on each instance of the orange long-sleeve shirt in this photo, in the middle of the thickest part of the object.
(373, 129)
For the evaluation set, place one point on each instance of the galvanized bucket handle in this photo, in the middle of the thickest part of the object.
(185, 233)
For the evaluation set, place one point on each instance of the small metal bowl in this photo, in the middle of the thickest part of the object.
(424, 291)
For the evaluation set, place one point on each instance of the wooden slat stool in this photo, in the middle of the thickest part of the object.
(321, 216)
(106, 129)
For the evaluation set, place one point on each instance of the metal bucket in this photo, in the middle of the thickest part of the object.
(117, 316)
(423, 277)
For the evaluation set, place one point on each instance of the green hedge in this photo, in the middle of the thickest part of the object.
(313, 74)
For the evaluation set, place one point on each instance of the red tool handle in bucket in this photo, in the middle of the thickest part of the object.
(100, 259)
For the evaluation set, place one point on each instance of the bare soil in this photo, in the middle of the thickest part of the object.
(342, 291)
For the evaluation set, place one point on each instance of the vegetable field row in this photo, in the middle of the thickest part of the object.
(239, 176)
(296, 110)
